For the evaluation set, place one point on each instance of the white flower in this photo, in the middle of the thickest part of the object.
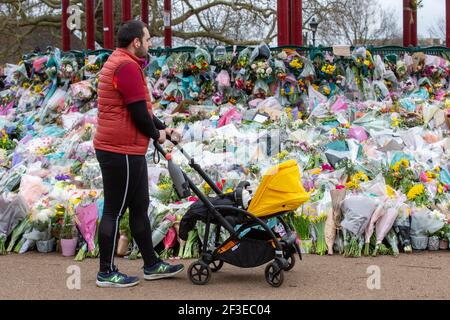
(269, 70)
(282, 55)
(253, 66)
(43, 215)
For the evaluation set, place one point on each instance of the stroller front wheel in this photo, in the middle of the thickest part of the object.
(216, 265)
(199, 273)
(274, 275)
(290, 259)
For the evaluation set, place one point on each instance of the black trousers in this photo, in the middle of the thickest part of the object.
(125, 183)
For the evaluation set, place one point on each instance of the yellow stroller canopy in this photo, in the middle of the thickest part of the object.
(280, 190)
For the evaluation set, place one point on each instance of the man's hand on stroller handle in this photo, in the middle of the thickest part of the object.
(173, 134)
(170, 134)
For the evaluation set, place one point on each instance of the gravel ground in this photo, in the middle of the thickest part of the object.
(421, 275)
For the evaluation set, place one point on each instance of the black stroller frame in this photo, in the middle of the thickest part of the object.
(281, 251)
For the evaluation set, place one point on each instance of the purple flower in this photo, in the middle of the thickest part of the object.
(10, 130)
(62, 177)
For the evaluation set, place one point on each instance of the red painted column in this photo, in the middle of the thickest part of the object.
(168, 23)
(283, 22)
(296, 23)
(108, 26)
(90, 24)
(414, 28)
(406, 25)
(64, 29)
(126, 10)
(447, 23)
(144, 11)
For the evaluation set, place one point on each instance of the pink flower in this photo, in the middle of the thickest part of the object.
(217, 98)
(423, 177)
(240, 83)
(340, 187)
(327, 167)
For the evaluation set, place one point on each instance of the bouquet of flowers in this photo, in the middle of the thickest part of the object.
(166, 193)
(261, 69)
(419, 195)
(327, 70)
(318, 223)
(202, 60)
(69, 68)
(6, 142)
(400, 176)
(243, 59)
(300, 223)
(355, 180)
(357, 210)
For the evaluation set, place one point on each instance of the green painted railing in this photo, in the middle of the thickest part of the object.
(308, 51)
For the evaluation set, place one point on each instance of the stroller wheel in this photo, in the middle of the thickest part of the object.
(290, 259)
(216, 265)
(199, 273)
(274, 275)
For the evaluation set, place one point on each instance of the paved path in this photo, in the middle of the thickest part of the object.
(421, 275)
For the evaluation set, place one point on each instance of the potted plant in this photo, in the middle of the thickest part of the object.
(433, 241)
(47, 243)
(68, 236)
(444, 234)
(44, 240)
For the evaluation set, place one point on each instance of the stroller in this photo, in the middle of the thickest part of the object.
(251, 242)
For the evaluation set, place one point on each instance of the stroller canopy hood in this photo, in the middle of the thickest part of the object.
(280, 190)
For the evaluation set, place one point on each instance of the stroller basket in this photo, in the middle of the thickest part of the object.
(255, 249)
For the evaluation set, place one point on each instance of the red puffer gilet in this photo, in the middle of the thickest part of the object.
(116, 131)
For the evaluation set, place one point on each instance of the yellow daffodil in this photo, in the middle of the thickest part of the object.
(395, 122)
(296, 63)
(415, 191)
(396, 167)
(75, 201)
(390, 191)
(289, 113)
(37, 89)
(164, 186)
(405, 162)
(207, 188)
(430, 175)
(316, 171)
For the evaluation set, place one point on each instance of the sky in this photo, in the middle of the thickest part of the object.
(427, 16)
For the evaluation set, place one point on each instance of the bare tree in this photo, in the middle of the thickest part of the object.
(358, 22)
(27, 23)
(438, 31)
(211, 22)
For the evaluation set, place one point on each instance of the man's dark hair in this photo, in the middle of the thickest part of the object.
(129, 31)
